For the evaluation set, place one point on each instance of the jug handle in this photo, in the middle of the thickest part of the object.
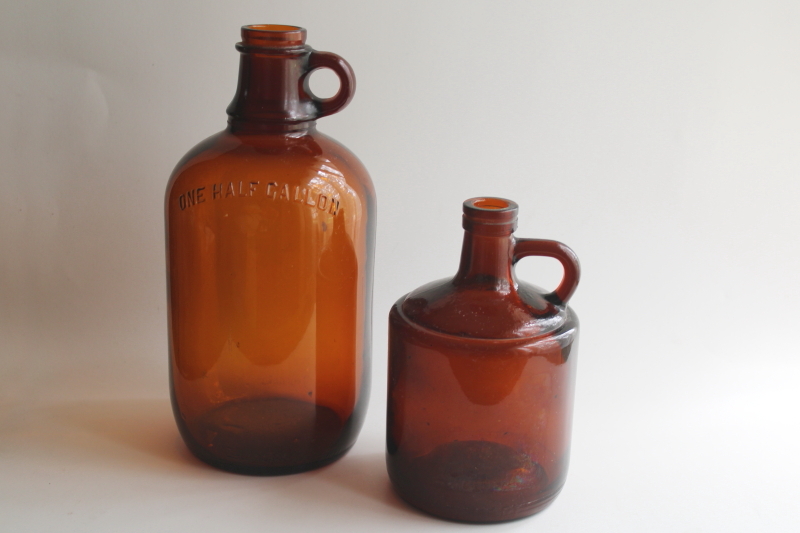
(347, 82)
(556, 250)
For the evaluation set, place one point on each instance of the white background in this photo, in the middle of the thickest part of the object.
(661, 140)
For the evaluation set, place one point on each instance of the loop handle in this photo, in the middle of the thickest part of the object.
(556, 250)
(347, 82)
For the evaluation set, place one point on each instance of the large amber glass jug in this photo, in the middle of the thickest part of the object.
(270, 237)
(481, 375)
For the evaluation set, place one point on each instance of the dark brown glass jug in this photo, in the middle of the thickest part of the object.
(270, 238)
(481, 375)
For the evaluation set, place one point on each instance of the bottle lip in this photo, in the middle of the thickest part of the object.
(272, 36)
(500, 213)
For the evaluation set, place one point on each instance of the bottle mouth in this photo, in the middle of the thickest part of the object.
(491, 208)
(487, 212)
(491, 204)
(272, 36)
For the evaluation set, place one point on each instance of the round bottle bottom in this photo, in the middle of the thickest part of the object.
(473, 481)
(266, 436)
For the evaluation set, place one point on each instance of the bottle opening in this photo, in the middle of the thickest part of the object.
(273, 36)
(491, 211)
(491, 203)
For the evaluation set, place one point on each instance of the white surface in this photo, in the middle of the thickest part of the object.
(661, 140)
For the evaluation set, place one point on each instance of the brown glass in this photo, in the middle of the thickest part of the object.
(270, 238)
(481, 376)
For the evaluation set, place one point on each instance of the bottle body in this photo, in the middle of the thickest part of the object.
(481, 386)
(270, 238)
(478, 432)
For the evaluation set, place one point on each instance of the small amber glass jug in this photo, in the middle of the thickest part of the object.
(270, 237)
(481, 377)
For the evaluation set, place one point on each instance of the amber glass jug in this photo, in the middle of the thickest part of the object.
(270, 237)
(481, 376)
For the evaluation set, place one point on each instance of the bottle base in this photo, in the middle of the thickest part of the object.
(485, 513)
(474, 482)
(249, 470)
(266, 436)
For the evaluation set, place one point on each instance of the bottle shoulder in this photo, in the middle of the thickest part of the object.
(342, 157)
(206, 151)
(298, 158)
(484, 311)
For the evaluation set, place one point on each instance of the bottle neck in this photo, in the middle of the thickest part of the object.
(486, 259)
(270, 88)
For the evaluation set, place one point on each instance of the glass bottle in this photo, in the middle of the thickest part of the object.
(481, 376)
(270, 237)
